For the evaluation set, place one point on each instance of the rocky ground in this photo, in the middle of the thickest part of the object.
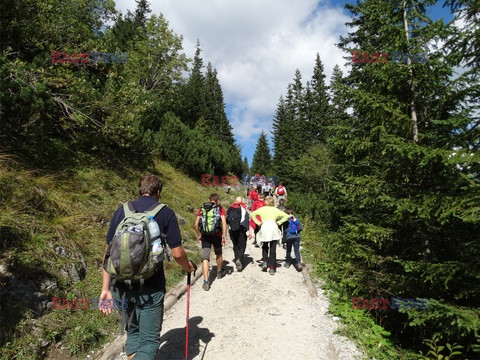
(254, 315)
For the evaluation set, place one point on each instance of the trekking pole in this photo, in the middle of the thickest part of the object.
(188, 307)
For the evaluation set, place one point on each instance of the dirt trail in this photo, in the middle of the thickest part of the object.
(254, 315)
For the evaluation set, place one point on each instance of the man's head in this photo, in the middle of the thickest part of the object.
(150, 185)
(214, 198)
(239, 200)
(261, 196)
(281, 202)
(289, 212)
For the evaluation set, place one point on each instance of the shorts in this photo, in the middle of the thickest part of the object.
(207, 242)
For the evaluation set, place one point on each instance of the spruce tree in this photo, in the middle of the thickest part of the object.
(261, 163)
(400, 186)
(193, 105)
(317, 107)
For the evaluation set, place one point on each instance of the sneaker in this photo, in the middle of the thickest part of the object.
(287, 264)
(206, 285)
(298, 266)
(264, 266)
(239, 265)
(271, 271)
(221, 274)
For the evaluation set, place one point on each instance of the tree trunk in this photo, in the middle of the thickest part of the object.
(412, 89)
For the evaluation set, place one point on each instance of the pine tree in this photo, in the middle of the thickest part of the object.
(400, 185)
(193, 106)
(317, 107)
(283, 139)
(246, 168)
(215, 115)
(262, 159)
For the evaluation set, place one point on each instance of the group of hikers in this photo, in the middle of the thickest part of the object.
(134, 273)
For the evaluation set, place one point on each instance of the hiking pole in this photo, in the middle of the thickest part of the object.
(188, 307)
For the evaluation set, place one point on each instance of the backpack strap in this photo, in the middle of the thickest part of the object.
(154, 209)
(128, 209)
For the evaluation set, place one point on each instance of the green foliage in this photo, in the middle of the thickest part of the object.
(262, 159)
(393, 183)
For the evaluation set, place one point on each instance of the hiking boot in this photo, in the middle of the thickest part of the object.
(206, 285)
(298, 266)
(221, 274)
(287, 264)
(264, 266)
(271, 271)
(239, 265)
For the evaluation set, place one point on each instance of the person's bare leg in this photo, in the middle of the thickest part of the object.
(205, 268)
(219, 262)
(130, 357)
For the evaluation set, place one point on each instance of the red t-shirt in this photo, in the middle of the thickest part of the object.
(256, 205)
(222, 213)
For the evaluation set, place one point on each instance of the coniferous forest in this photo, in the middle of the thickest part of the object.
(381, 161)
(385, 161)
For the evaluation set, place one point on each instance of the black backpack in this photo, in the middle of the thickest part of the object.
(234, 217)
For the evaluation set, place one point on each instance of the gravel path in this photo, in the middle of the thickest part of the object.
(254, 315)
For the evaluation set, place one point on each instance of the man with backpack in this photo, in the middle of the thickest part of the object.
(211, 227)
(293, 239)
(280, 193)
(135, 274)
(238, 221)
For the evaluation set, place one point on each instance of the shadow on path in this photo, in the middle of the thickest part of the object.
(172, 343)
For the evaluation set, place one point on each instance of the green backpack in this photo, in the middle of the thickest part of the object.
(129, 255)
(210, 222)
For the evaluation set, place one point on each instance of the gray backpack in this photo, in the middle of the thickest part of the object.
(130, 256)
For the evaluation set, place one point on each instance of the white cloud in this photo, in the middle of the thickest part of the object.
(256, 46)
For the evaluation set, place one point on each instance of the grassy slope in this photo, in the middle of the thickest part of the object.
(72, 209)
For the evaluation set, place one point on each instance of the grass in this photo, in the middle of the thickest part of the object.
(41, 213)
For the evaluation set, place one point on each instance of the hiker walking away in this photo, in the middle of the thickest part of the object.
(238, 221)
(254, 229)
(281, 193)
(283, 227)
(292, 234)
(143, 297)
(211, 227)
(259, 185)
(266, 189)
(269, 233)
(252, 197)
(271, 184)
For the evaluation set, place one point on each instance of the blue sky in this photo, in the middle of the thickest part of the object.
(256, 46)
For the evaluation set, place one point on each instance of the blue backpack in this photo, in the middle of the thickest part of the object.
(294, 226)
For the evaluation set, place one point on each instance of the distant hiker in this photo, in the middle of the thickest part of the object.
(211, 227)
(271, 184)
(252, 197)
(269, 233)
(259, 187)
(281, 193)
(254, 182)
(266, 189)
(144, 314)
(292, 233)
(257, 204)
(238, 221)
(284, 226)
